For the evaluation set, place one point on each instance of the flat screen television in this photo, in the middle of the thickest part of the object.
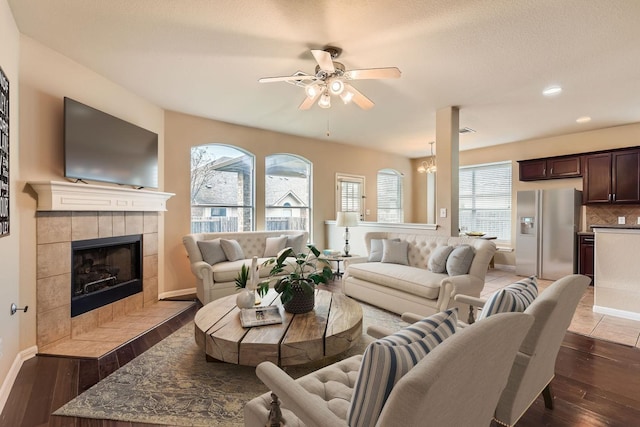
(101, 147)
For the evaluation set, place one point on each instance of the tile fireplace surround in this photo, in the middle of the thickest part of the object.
(92, 212)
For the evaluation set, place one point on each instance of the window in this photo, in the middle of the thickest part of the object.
(485, 199)
(350, 194)
(390, 196)
(287, 192)
(221, 189)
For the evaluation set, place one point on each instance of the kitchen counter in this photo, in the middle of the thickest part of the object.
(617, 268)
(618, 226)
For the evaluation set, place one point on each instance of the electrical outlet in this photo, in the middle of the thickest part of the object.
(620, 220)
(443, 212)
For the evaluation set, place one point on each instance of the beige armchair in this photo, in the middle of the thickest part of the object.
(534, 365)
(464, 368)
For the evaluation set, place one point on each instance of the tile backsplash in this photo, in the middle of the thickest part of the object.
(608, 214)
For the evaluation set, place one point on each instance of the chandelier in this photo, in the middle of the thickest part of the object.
(430, 165)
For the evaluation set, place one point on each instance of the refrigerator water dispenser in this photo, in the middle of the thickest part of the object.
(527, 225)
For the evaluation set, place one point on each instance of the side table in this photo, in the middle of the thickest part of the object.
(338, 259)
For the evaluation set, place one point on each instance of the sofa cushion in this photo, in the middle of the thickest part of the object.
(211, 251)
(395, 252)
(514, 297)
(274, 245)
(438, 259)
(459, 260)
(383, 365)
(296, 242)
(232, 249)
(413, 280)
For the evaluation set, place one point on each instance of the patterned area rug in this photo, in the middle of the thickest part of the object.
(171, 383)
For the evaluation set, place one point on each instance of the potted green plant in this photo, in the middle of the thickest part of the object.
(295, 276)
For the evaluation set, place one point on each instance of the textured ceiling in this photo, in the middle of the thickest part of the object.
(491, 58)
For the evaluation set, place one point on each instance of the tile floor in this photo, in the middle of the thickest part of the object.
(585, 321)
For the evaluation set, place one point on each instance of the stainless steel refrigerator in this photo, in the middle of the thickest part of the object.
(547, 222)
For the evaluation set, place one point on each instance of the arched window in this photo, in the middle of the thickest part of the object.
(222, 197)
(390, 196)
(287, 192)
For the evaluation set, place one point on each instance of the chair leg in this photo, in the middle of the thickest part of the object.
(275, 414)
(471, 319)
(548, 398)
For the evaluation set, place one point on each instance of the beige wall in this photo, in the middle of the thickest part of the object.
(183, 132)
(9, 255)
(45, 78)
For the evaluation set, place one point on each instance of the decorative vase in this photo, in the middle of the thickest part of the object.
(301, 302)
(246, 298)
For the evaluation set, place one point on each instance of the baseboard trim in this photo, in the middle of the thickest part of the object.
(505, 267)
(616, 313)
(178, 293)
(7, 384)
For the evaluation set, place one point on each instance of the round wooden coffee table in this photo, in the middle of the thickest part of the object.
(332, 327)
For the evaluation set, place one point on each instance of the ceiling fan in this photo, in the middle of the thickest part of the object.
(331, 78)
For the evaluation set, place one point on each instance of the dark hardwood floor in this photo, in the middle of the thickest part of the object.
(597, 384)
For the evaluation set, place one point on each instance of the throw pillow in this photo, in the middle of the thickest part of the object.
(295, 242)
(420, 329)
(438, 259)
(232, 249)
(514, 297)
(211, 251)
(383, 365)
(395, 252)
(459, 260)
(375, 254)
(274, 245)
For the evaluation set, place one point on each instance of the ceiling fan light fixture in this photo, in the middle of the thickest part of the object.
(312, 90)
(325, 101)
(336, 87)
(346, 96)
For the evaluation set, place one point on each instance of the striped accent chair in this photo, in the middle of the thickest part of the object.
(429, 394)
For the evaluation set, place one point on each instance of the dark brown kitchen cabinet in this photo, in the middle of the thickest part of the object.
(586, 248)
(550, 168)
(612, 177)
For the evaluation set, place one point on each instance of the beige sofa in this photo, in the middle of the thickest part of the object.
(217, 279)
(412, 287)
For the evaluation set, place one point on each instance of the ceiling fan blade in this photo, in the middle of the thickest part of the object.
(294, 78)
(358, 98)
(373, 73)
(323, 58)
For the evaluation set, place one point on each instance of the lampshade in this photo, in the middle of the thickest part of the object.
(325, 101)
(347, 219)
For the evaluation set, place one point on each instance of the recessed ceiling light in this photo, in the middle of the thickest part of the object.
(552, 90)
(583, 119)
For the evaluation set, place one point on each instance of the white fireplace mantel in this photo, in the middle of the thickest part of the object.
(70, 196)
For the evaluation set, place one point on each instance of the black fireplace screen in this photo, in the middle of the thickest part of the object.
(104, 271)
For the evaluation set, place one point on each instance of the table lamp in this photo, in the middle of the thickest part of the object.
(346, 220)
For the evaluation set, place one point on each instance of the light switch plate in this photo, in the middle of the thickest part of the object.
(620, 220)
(443, 212)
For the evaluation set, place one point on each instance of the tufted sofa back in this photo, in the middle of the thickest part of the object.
(422, 245)
(253, 243)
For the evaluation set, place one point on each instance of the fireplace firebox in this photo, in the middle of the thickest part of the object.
(104, 270)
